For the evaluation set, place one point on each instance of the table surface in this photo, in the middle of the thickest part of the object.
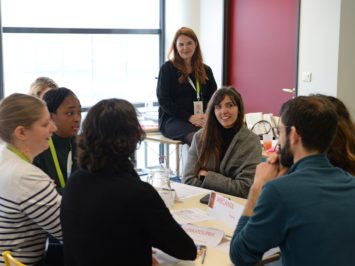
(214, 256)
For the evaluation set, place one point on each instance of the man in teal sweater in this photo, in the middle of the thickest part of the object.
(306, 210)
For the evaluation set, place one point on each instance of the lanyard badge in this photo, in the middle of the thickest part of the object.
(198, 105)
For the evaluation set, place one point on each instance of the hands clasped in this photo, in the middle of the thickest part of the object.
(269, 170)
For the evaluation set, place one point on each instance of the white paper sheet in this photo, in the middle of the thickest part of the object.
(193, 215)
(225, 210)
(184, 191)
(201, 235)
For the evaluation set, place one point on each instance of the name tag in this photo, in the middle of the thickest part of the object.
(198, 107)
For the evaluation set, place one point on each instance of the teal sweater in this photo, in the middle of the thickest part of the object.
(309, 213)
(45, 160)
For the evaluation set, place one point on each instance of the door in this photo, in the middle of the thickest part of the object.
(263, 52)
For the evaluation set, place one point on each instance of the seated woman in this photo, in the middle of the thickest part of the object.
(341, 152)
(185, 85)
(29, 202)
(224, 154)
(60, 159)
(41, 85)
(108, 214)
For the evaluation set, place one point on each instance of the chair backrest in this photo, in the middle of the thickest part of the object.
(10, 260)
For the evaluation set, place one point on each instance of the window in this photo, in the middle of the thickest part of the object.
(98, 49)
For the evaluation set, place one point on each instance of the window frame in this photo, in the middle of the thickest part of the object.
(37, 30)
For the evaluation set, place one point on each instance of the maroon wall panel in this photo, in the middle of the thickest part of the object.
(263, 55)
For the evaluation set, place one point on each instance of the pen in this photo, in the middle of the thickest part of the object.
(203, 255)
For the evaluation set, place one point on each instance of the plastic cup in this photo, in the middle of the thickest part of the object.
(267, 142)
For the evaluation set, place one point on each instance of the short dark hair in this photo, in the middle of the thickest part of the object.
(54, 98)
(314, 119)
(110, 134)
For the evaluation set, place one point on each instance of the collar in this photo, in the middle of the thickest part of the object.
(319, 159)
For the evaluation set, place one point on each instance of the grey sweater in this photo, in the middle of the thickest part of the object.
(236, 170)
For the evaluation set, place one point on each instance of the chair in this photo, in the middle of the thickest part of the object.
(164, 153)
(10, 260)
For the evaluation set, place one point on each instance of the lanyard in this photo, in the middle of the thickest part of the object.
(18, 153)
(56, 163)
(197, 88)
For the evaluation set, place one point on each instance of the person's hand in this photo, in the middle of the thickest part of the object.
(202, 172)
(198, 120)
(264, 173)
(154, 261)
(268, 171)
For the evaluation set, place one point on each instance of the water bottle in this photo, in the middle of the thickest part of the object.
(160, 180)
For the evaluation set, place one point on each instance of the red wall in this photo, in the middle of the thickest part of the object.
(263, 56)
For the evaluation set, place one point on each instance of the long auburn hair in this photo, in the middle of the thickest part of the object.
(211, 135)
(341, 152)
(196, 61)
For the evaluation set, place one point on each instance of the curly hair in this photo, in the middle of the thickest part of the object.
(110, 134)
(196, 60)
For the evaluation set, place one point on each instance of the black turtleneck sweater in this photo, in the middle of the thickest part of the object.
(227, 135)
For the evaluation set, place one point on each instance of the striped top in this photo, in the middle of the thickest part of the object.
(29, 208)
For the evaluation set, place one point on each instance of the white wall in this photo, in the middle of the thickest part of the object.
(346, 73)
(180, 13)
(205, 17)
(211, 36)
(327, 49)
(318, 46)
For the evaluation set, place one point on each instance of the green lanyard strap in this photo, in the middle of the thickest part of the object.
(197, 88)
(18, 153)
(56, 163)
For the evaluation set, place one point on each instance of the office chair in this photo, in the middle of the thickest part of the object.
(11, 261)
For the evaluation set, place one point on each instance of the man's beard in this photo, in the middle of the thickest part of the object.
(286, 156)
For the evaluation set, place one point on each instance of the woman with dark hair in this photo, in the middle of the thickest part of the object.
(185, 85)
(108, 214)
(341, 152)
(224, 153)
(60, 159)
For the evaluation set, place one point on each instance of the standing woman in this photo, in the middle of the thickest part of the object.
(224, 153)
(60, 159)
(108, 214)
(29, 202)
(185, 85)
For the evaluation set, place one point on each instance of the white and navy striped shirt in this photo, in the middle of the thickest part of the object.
(29, 208)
